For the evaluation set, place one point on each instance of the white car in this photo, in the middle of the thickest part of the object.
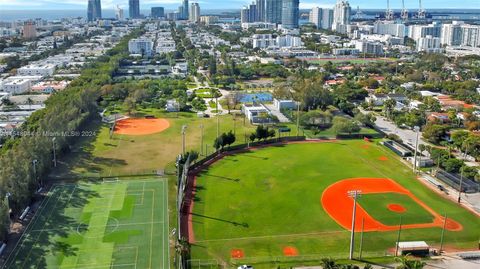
(245, 267)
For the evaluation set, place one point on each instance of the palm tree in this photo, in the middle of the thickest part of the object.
(329, 263)
(388, 106)
(29, 102)
(406, 263)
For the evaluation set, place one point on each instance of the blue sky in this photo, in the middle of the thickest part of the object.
(222, 4)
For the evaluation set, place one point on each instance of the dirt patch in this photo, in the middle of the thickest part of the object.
(339, 206)
(396, 208)
(237, 254)
(383, 158)
(366, 146)
(141, 126)
(290, 251)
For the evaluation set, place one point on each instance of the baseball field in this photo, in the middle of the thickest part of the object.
(291, 202)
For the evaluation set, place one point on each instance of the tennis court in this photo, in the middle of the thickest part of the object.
(107, 224)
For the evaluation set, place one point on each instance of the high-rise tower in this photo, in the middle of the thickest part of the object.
(94, 11)
(134, 9)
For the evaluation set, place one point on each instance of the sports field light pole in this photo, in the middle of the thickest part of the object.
(184, 129)
(218, 115)
(34, 163)
(361, 239)
(7, 202)
(54, 152)
(298, 119)
(355, 195)
(417, 130)
(398, 236)
(443, 234)
(461, 177)
(201, 147)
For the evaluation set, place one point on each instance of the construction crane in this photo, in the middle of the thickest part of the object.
(421, 14)
(389, 15)
(404, 15)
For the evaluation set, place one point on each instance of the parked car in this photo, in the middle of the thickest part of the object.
(245, 267)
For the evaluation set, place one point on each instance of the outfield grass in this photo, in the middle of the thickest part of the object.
(122, 224)
(123, 154)
(264, 200)
(376, 204)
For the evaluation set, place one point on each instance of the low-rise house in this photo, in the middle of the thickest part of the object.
(172, 106)
(284, 104)
(438, 117)
(399, 98)
(256, 113)
(377, 99)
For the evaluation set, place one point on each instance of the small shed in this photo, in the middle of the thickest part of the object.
(416, 248)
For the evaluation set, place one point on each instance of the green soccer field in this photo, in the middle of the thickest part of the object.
(117, 224)
(264, 200)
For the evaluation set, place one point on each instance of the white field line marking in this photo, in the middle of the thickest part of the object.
(49, 216)
(270, 236)
(31, 224)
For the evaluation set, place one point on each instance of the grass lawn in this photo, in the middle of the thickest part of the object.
(123, 154)
(263, 200)
(98, 225)
(212, 104)
(206, 93)
(351, 61)
(330, 133)
(376, 204)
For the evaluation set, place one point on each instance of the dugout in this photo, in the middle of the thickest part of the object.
(415, 248)
(397, 148)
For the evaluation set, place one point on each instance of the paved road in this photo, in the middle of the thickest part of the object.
(408, 136)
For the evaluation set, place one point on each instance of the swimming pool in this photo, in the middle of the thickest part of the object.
(261, 96)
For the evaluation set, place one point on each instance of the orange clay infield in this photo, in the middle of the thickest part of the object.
(237, 253)
(290, 251)
(396, 208)
(141, 126)
(383, 158)
(339, 205)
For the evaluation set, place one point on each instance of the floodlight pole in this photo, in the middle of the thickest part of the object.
(34, 163)
(417, 130)
(184, 129)
(354, 194)
(201, 144)
(461, 178)
(398, 236)
(54, 152)
(361, 239)
(7, 199)
(443, 234)
(218, 116)
(298, 119)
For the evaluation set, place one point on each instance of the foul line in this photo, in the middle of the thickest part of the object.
(271, 236)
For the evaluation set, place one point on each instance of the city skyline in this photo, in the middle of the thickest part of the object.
(217, 4)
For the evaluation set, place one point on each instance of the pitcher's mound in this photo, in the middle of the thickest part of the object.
(141, 126)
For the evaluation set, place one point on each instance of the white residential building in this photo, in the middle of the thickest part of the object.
(141, 46)
(194, 13)
(44, 70)
(17, 86)
(429, 44)
(418, 31)
(369, 47)
(390, 28)
(341, 14)
(289, 41)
